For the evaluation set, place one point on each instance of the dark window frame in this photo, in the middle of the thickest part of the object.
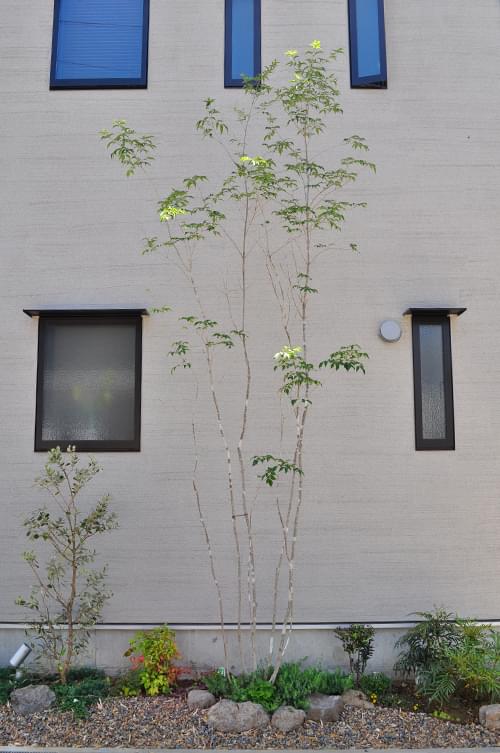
(104, 83)
(133, 445)
(229, 81)
(448, 441)
(378, 81)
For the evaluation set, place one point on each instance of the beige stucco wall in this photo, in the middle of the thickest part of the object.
(386, 530)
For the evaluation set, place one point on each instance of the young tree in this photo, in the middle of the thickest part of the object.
(68, 595)
(279, 203)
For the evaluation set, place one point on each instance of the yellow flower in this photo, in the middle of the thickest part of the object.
(316, 44)
(291, 53)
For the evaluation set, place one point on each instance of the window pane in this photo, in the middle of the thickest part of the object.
(88, 381)
(432, 381)
(242, 38)
(99, 39)
(368, 38)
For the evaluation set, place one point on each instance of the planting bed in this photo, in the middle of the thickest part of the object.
(167, 722)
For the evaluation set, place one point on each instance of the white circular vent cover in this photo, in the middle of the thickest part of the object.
(390, 331)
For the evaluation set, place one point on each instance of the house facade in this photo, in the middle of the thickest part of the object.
(403, 508)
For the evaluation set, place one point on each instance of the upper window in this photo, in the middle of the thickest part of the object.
(242, 41)
(433, 385)
(99, 43)
(367, 44)
(89, 381)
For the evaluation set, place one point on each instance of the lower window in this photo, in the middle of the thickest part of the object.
(433, 385)
(89, 382)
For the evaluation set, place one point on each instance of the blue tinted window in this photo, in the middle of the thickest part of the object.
(100, 43)
(242, 54)
(367, 43)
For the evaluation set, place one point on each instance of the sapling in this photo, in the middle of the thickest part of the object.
(279, 206)
(69, 592)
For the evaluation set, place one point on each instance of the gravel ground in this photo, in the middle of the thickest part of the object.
(168, 723)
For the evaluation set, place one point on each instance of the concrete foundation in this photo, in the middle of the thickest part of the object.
(202, 647)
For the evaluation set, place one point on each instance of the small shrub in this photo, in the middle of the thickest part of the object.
(470, 670)
(425, 643)
(294, 684)
(68, 591)
(155, 650)
(357, 642)
(261, 691)
(375, 684)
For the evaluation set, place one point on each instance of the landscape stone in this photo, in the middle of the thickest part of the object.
(251, 716)
(357, 699)
(286, 718)
(228, 716)
(200, 699)
(324, 708)
(489, 716)
(31, 699)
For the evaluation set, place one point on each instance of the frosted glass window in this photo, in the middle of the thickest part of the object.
(434, 423)
(89, 383)
(242, 54)
(432, 381)
(99, 43)
(367, 43)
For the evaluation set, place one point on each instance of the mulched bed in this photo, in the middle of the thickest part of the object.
(167, 722)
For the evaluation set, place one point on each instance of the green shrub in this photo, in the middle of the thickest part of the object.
(470, 669)
(450, 656)
(357, 642)
(376, 682)
(155, 650)
(332, 683)
(79, 696)
(292, 687)
(294, 684)
(426, 643)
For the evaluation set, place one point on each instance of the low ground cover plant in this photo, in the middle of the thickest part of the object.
(84, 687)
(376, 684)
(292, 687)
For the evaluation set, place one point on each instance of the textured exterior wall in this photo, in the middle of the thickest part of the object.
(386, 530)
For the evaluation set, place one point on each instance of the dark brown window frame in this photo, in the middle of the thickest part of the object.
(112, 316)
(448, 441)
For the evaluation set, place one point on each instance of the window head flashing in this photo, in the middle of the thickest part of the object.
(86, 312)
